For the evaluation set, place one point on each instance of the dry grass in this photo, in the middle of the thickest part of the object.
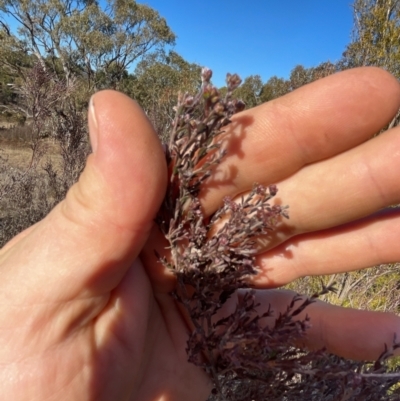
(17, 135)
(19, 155)
(35, 174)
(7, 125)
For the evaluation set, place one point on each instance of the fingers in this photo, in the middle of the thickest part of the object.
(350, 333)
(350, 247)
(346, 187)
(91, 238)
(273, 141)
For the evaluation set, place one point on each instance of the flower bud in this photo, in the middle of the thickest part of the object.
(239, 106)
(273, 190)
(206, 74)
(207, 91)
(219, 108)
(233, 81)
(189, 101)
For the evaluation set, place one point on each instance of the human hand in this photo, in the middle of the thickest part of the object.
(83, 318)
(78, 316)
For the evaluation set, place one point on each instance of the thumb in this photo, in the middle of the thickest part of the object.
(87, 243)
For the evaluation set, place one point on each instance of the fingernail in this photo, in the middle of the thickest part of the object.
(93, 127)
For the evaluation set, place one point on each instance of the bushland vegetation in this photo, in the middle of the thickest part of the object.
(65, 51)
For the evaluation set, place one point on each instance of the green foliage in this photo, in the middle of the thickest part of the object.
(276, 87)
(375, 288)
(250, 91)
(82, 37)
(157, 81)
(376, 36)
(86, 45)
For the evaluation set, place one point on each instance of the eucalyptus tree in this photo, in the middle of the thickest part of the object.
(157, 81)
(250, 91)
(274, 88)
(80, 38)
(376, 35)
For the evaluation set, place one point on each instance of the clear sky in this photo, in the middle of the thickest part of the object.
(265, 37)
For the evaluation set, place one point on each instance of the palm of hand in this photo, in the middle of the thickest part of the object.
(127, 344)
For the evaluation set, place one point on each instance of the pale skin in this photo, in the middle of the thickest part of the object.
(85, 312)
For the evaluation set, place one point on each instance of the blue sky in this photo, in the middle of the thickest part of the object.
(265, 37)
